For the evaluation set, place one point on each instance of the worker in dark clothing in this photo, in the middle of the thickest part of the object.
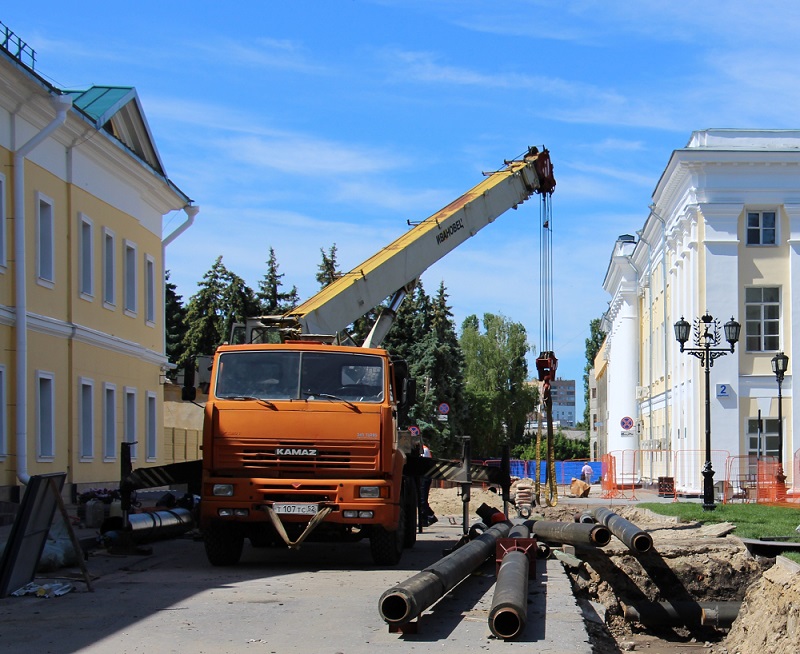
(428, 517)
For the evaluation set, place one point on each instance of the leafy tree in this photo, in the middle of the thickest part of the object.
(496, 371)
(565, 448)
(593, 345)
(272, 301)
(175, 324)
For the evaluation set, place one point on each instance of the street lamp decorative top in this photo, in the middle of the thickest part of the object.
(780, 364)
(707, 336)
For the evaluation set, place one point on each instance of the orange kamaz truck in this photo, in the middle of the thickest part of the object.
(301, 437)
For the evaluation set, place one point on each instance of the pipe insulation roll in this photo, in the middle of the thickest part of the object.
(636, 539)
(408, 599)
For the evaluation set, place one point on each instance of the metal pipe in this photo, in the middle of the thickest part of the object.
(572, 533)
(718, 614)
(404, 602)
(586, 517)
(635, 538)
(150, 525)
(509, 611)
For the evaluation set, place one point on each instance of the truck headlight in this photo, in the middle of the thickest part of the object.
(222, 490)
(369, 491)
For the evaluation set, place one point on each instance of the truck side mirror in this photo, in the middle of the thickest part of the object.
(409, 391)
(188, 393)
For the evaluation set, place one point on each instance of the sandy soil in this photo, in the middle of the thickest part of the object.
(688, 561)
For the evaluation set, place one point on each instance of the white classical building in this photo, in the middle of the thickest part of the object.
(722, 238)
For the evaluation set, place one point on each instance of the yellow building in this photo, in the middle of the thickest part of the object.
(83, 194)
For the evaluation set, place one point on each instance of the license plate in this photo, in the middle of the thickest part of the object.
(295, 509)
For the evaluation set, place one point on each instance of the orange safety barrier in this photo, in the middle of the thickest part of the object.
(620, 474)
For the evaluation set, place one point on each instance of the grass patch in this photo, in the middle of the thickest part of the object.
(751, 520)
(794, 556)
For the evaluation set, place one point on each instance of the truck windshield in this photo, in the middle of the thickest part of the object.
(292, 375)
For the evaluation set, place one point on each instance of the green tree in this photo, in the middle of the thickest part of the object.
(593, 345)
(496, 373)
(222, 299)
(272, 301)
(328, 269)
(175, 324)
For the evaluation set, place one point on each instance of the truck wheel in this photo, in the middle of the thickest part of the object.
(410, 504)
(224, 544)
(387, 546)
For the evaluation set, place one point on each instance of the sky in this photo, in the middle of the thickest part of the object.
(300, 125)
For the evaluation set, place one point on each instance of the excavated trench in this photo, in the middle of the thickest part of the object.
(679, 593)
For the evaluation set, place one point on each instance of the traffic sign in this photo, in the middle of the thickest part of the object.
(414, 430)
(626, 423)
(444, 408)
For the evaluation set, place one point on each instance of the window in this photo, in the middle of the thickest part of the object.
(762, 318)
(761, 228)
(86, 418)
(150, 289)
(767, 444)
(109, 422)
(45, 239)
(130, 278)
(3, 429)
(130, 419)
(45, 416)
(86, 257)
(109, 268)
(2, 220)
(152, 428)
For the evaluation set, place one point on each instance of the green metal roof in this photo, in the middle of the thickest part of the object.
(117, 110)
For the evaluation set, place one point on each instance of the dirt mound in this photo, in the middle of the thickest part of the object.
(769, 620)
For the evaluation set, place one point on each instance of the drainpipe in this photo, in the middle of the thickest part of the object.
(62, 104)
(664, 314)
(639, 379)
(191, 211)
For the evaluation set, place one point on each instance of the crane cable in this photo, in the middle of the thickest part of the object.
(546, 363)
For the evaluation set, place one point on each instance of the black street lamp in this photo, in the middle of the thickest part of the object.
(780, 364)
(707, 337)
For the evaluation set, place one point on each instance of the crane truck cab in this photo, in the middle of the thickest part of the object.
(300, 443)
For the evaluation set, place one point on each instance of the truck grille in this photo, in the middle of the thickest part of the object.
(310, 492)
(338, 458)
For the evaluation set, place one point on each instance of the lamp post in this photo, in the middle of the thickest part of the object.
(706, 338)
(780, 363)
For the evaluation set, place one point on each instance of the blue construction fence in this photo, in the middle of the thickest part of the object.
(565, 470)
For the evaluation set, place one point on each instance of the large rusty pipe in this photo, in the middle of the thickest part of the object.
(509, 611)
(635, 538)
(571, 533)
(407, 600)
(688, 613)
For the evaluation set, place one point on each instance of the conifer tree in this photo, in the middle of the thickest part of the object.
(175, 323)
(328, 270)
(272, 301)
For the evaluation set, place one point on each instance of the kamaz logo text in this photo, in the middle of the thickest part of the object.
(296, 451)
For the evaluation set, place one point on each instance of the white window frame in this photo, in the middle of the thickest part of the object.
(45, 416)
(86, 418)
(129, 417)
(762, 321)
(130, 286)
(109, 268)
(759, 214)
(109, 422)
(150, 290)
(45, 241)
(3, 228)
(3, 415)
(85, 256)
(151, 426)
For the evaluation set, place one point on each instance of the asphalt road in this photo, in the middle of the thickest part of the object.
(321, 599)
